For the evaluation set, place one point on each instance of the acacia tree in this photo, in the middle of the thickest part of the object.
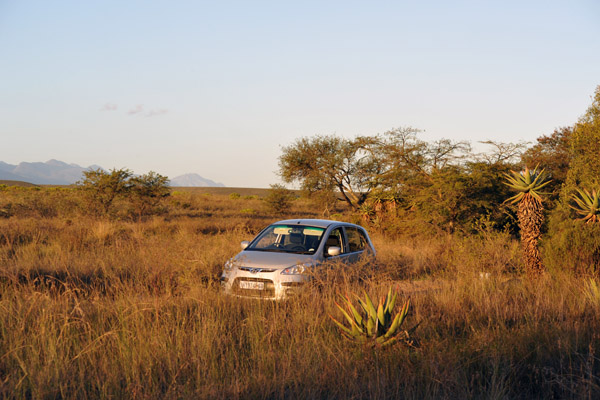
(502, 153)
(430, 177)
(396, 161)
(326, 163)
(409, 163)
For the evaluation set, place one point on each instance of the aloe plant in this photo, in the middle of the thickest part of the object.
(530, 213)
(587, 205)
(373, 324)
(528, 183)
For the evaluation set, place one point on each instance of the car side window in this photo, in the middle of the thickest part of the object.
(356, 240)
(335, 239)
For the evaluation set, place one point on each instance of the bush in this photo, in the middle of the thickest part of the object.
(147, 191)
(279, 199)
(103, 188)
(106, 190)
(572, 244)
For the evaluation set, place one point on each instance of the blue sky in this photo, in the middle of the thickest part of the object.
(217, 88)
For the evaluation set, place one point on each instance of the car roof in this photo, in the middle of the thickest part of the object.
(319, 223)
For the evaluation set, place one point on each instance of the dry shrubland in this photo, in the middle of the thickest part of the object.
(122, 307)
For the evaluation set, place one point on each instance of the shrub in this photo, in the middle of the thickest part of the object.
(147, 191)
(279, 199)
(572, 244)
(103, 188)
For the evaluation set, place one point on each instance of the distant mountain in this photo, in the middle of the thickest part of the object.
(194, 180)
(55, 172)
(6, 172)
(52, 172)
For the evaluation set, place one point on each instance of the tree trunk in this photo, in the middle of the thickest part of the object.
(531, 217)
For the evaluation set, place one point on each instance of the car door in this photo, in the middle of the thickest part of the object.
(357, 243)
(336, 238)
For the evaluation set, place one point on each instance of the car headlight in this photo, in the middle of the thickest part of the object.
(228, 265)
(294, 270)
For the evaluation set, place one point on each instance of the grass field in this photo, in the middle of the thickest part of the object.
(224, 191)
(111, 308)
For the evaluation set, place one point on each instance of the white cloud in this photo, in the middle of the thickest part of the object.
(109, 107)
(136, 110)
(154, 113)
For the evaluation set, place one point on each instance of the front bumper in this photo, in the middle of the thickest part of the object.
(271, 286)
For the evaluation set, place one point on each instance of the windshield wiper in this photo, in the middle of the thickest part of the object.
(269, 250)
(282, 251)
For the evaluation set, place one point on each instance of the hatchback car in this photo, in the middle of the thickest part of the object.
(275, 263)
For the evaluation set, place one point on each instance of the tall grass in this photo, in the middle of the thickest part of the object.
(113, 308)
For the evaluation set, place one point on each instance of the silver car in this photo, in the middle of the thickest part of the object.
(275, 263)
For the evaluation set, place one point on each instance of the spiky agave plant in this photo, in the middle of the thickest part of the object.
(530, 213)
(587, 205)
(373, 325)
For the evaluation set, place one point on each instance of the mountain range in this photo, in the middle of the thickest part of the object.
(194, 180)
(54, 172)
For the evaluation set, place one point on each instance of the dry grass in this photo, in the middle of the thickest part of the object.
(223, 191)
(110, 308)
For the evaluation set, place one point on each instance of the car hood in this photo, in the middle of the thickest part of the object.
(269, 259)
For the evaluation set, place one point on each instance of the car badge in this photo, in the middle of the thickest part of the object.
(254, 270)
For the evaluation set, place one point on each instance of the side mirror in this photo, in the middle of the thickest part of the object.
(244, 244)
(334, 251)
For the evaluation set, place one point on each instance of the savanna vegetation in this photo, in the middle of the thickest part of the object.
(110, 288)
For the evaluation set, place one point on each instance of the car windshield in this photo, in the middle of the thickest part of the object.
(297, 239)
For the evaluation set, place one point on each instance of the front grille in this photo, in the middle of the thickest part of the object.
(256, 270)
(268, 291)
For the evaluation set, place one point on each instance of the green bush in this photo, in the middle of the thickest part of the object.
(572, 244)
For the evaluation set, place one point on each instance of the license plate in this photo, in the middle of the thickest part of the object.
(250, 285)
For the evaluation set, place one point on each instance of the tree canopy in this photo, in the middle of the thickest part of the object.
(584, 170)
(331, 163)
(553, 153)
